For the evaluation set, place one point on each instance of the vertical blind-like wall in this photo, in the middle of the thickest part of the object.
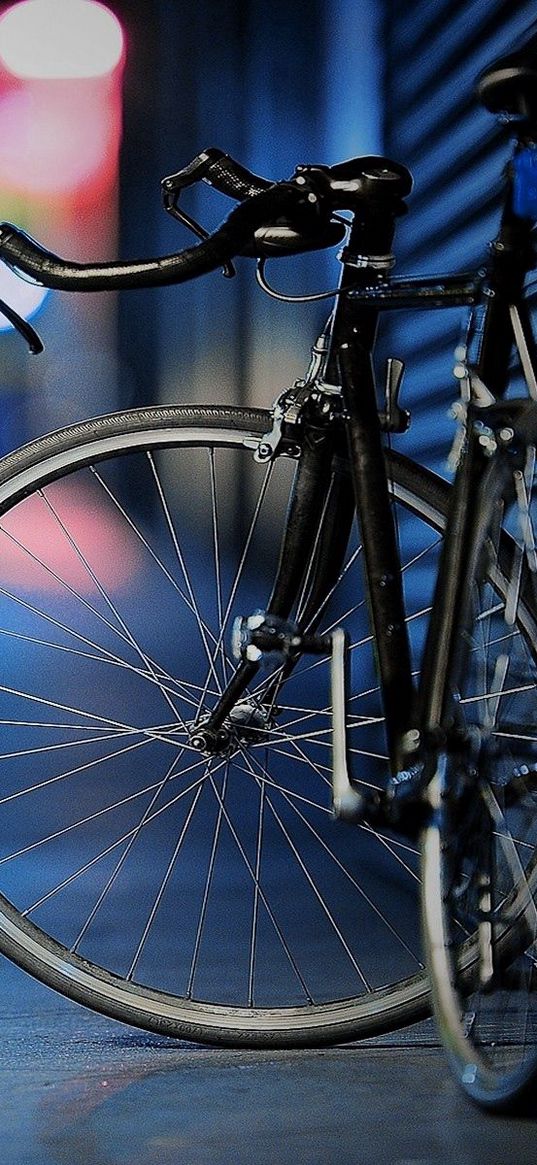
(456, 152)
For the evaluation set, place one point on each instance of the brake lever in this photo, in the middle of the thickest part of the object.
(171, 188)
(22, 326)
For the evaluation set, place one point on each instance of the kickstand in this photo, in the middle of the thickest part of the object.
(347, 803)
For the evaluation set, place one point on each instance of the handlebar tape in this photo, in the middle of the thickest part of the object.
(230, 178)
(22, 252)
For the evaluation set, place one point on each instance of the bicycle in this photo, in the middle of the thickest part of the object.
(245, 906)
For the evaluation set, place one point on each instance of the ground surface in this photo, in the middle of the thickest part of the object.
(76, 1089)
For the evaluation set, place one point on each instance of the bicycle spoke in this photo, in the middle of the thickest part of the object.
(92, 716)
(150, 550)
(255, 905)
(267, 785)
(125, 837)
(83, 768)
(207, 888)
(319, 896)
(56, 747)
(179, 689)
(251, 871)
(120, 863)
(216, 560)
(57, 578)
(239, 569)
(130, 638)
(163, 885)
(182, 564)
(68, 829)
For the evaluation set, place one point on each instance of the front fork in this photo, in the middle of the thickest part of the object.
(319, 519)
(370, 495)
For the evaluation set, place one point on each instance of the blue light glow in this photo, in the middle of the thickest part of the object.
(24, 297)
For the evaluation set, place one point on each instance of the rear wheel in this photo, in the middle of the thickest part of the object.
(480, 868)
(211, 898)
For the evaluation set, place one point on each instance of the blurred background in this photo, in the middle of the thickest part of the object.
(87, 134)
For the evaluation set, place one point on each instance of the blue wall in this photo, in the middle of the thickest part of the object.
(457, 152)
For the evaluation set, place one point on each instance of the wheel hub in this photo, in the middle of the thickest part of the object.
(247, 723)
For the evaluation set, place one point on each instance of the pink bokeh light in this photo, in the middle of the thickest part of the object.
(49, 549)
(61, 65)
(60, 137)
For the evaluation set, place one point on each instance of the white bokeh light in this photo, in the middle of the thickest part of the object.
(60, 39)
(25, 298)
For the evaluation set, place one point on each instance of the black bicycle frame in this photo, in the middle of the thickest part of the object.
(317, 486)
(310, 560)
(364, 294)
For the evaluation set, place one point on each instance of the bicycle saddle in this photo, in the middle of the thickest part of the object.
(509, 85)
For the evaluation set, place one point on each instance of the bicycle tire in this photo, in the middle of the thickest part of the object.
(479, 855)
(86, 560)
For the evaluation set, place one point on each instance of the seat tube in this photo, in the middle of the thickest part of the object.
(381, 556)
(452, 597)
(353, 339)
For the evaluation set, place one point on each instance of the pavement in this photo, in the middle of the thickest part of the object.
(78, 1089)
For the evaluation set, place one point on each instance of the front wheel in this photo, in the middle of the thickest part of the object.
(212, 898)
